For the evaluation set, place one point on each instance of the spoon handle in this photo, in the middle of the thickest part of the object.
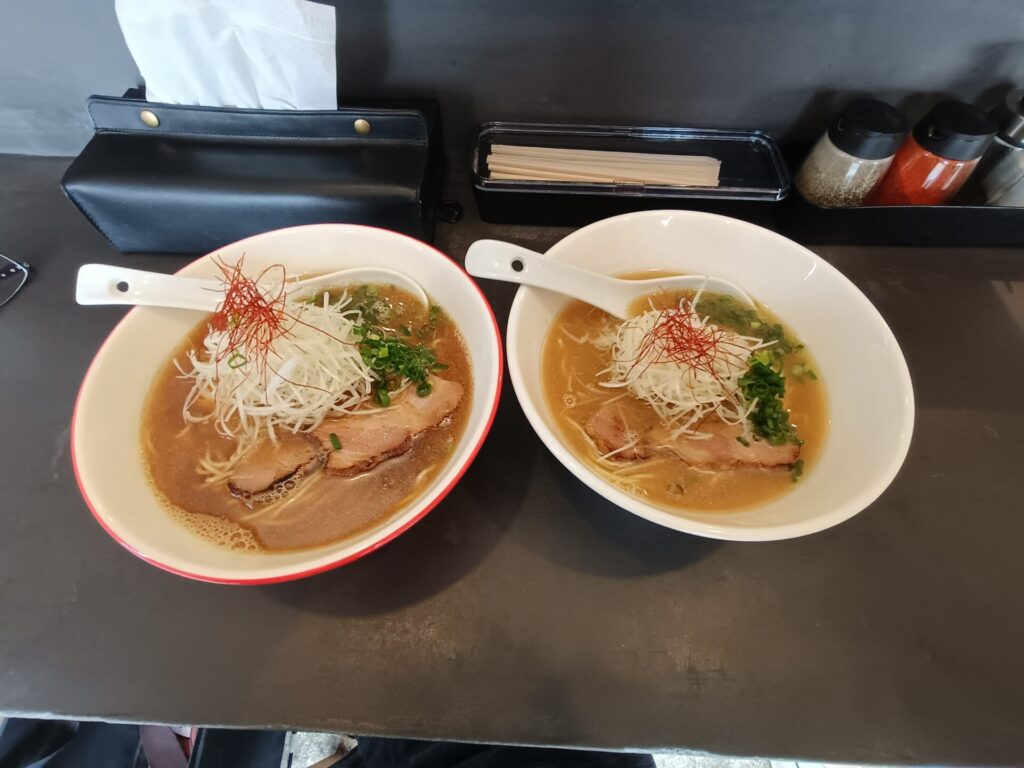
(498, 260)
(105, 284)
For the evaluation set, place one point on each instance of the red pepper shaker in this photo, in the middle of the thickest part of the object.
(936, 159)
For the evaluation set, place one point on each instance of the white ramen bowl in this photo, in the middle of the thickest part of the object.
(869, 394)
(106, 424)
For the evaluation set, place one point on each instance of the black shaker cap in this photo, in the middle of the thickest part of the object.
(956, 131)
(869, 129)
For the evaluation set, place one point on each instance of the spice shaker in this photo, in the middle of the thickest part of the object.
(1012, 197)
(937, 158)
(1002, 167)
(853, 155)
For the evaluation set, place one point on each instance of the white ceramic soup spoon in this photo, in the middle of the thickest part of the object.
(498, 260)
(107, 284)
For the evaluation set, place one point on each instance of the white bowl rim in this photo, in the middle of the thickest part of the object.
(722, 531)
(429, 504)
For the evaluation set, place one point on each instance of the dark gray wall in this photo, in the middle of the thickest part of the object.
(54, 53)
(784, 66)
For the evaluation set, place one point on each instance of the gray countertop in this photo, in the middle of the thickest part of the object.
(525, 608)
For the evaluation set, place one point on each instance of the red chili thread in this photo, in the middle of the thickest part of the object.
(252, 316)
(677, 337)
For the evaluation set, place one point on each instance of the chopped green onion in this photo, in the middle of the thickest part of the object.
(726, 311)
(335, 442)
(797, 470)
(766, 386)
(743, 441)
(802, 371)
(236, 360)
(435, 315)
(395, 361)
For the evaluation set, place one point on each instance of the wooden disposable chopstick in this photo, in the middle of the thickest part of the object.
(608, 175)
(599, 166)
(507, 149)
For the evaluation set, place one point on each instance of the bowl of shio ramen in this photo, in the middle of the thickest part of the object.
(700, 412)
(287, 433)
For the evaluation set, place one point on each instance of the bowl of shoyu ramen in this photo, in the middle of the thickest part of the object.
(285, 434)
(704, 414)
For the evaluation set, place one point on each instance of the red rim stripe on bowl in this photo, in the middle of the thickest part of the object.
(430, 505)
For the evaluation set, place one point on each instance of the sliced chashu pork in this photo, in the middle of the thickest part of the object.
(610, 433)
(719, 451)
(368, 439)
(269, 462)
(722, 450)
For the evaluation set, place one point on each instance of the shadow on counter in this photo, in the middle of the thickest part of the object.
(609, 541)
(443, 547)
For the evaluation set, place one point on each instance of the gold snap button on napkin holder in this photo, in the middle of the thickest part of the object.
(149, 118)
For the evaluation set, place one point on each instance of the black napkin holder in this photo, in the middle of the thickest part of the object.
(166, 178)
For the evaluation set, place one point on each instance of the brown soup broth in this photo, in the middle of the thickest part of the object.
(571, 385)
(323, 508)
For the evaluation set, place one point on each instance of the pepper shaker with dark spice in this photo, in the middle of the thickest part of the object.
(852, 156)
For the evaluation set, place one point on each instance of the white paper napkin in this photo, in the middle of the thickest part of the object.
(262, 54)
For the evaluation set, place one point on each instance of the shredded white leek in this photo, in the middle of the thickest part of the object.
(313, 371)
(682, 395)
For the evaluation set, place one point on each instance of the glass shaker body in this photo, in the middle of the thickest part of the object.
(1012, 197)
(920, 177)
(999, 171)
(997, 181)
(832, 178)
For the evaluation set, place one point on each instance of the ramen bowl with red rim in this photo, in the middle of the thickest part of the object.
(106, 426)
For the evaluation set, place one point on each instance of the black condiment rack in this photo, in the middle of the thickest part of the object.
(791, 215)
(895, 225)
